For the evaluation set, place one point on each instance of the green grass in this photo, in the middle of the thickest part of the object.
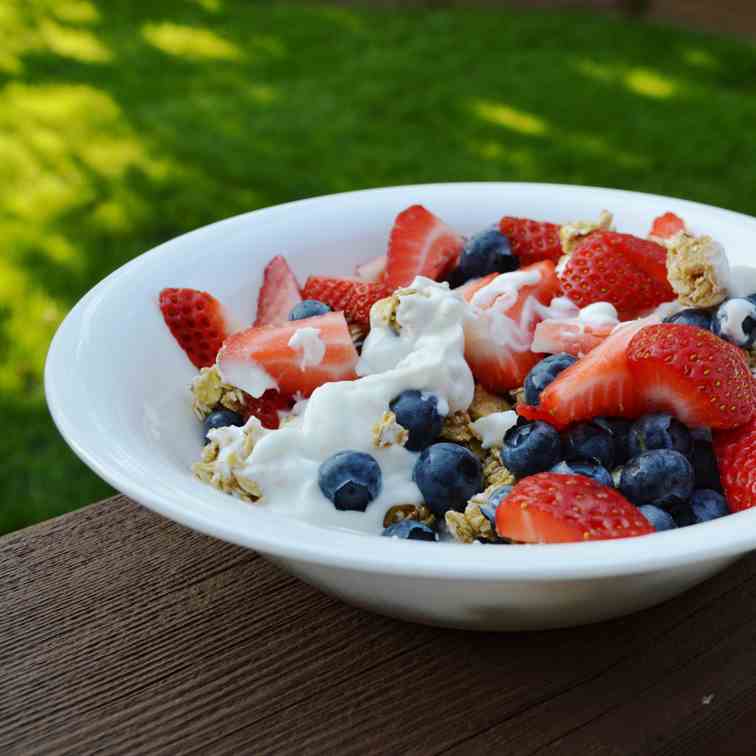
(126, 122)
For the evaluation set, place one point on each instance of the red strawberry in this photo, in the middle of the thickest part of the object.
(266, 348)
(598, 384)
(692, 373)
(570, 335)
(531, 240)
(373, 270)
(420, 245)
(266, 408)
(278, 294)
(736, 457)
(666, 226)
(554, 508)
(629, 272)
(348, 295)
(498, 333)
(195, 318)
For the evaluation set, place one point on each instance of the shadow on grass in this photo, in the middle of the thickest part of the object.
(123, 124)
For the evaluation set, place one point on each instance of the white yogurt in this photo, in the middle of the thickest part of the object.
(427, 355)
(599, 315)
(307, 341)
(246, 375)
(492, 428)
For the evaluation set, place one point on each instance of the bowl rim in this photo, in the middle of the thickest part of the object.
(727, 537)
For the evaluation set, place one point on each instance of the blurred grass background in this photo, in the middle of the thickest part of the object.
(125, 122)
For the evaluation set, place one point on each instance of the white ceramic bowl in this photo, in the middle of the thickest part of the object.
(117, 383)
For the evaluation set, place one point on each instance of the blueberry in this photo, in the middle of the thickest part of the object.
(705, 466)
(411, 530)
(419, 414)
(662, 477)
(752, 297)
(221, 419)
(620, 430)
(350, 479)
(447, 476)
(486, 252)
(660, 519)
(659, 431)
(683, 515)
(543, 373)
(735, 321)
(590, 442)
(589, 469)
(308, 308)
(708, 505)
(530, 449)
(698, 318)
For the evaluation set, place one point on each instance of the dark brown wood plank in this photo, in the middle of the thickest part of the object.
(124, 633)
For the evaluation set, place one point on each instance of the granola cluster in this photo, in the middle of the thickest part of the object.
(387, 432)
(697, 270)
(485, 403)
(494, 472)
(418, 512)
(470, 525)
(209, 392)
(457, 429)
(386, 309)
(571, 234)
(224, 460)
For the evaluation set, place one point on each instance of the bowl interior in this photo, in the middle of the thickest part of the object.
(117, 383)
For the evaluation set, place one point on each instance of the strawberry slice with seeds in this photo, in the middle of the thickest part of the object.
(598, 384)
(628, 272)
(265, 357)
(196, 320)
(499, 330)
(278, 294)
(554, 508)
(532, 241)
(736, 458)
(420, 245)
(348, 295)
(667, 225)
(700, 378)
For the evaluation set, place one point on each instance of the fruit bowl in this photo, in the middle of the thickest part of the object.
(117, 388)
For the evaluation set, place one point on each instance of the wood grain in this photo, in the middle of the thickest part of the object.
(121, 632)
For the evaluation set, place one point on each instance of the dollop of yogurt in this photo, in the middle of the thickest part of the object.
(492, 428)
(427, 354)
(307, 341)
(599, 315)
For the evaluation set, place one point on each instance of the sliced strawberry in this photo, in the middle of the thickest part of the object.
(736, 458)
(267, 407)
(195, 318)
(700, 378)
(598, 384)
(469, 289)
(373, 270)
(666, 226)
(278, 294)
(531, 240)
(420, 245)
(628, 272)
(348, 295)
(555, 508)
(261, 358)
(569, 335)
(499, 330)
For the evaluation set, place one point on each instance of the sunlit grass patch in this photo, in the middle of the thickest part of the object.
(510, 117)
(190, 42)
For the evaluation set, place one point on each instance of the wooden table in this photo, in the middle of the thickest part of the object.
(121, 632)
